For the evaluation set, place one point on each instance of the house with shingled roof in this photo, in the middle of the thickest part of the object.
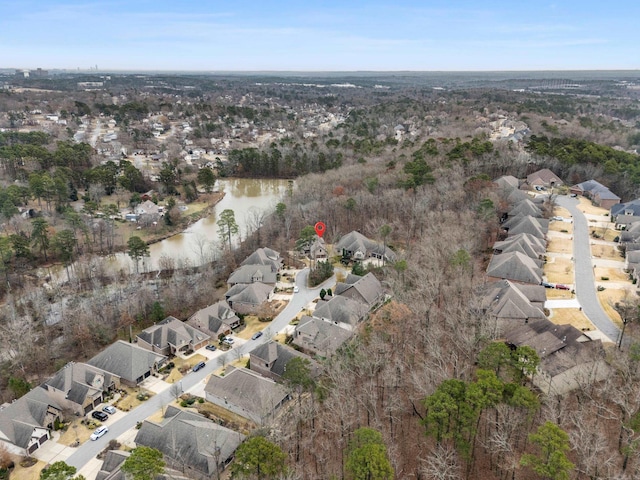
(525, 207)
(264, 256)
(252, 274)
(25, 424)
(247, 298)
(80, 387)
(599, 194)
(342, 311)
(247, 394)
(510, 304)
(270, 360)
(544, 178)
(525, 243)
(365, 289)
(128, 361)
(215, 320)
(190, 442)
(171, 336)
(317, 337)
(537, 227)
(356, 246)
(515, 266)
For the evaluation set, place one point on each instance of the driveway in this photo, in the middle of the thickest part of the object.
(585, 285)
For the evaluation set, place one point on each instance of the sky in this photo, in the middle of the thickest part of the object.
(314, 35)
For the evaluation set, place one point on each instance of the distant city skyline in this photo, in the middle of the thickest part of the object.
(320, 35)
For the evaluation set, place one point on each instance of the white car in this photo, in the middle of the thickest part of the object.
(100, 431)
(296, 289)
(228, 340)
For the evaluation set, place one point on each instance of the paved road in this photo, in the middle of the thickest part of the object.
(90, 449)
(585, 286)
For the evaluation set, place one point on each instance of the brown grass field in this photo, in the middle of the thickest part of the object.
(572, 316)
(560, 245)
(614, 275)
(564, 227)
(559, 270)
(553, 294)
(607, 299)
(607, 252)
(586, 207)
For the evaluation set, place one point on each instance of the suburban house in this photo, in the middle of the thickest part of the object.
(247, 394)
(525, 207)
(25, 423)
(568, 358)
(624, 214)
(342, 311)
(507, 183)
(544, 178)
(247, 298)
(264, 256)
(172, 336)
(538, 227)
(80, 387)
(600, 195)
(215, 320)
(317, 337)
(515, 266)
(316, 250)
(270, 360)
(252, 274)
(367, 289)
(128, 361)
(530, 245)
(110, 468)
(511, 304)
(190, 442)
(356, 246)
(148, 208)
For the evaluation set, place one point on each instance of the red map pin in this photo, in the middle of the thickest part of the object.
(320, 228)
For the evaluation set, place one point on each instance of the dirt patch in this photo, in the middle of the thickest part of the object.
(560, 245)
(559, 270)
(613, 274)
(587, 207)
(607, 299)
(572, 316)
(606, 251)
(229, 419)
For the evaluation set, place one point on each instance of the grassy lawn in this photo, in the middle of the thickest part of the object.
(251, 326)
(614, 275)
(130, 401)
(572, 316)
(188, 363)
(607, 299)
(29, 473)
(559, 270)
(607, 234)
(586, 207)
(553, 294)
(564, 227)
(561, 212)
(560, 245)
(75, 430)
(607, 252)
(174, 376)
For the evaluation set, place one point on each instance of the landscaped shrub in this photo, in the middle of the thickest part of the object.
(604, 278)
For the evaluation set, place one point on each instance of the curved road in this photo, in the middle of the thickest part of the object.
(85, 452)
(585, 285)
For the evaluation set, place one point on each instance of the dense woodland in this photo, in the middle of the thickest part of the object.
(424, 371)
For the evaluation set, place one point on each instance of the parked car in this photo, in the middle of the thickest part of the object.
(198, 366)
(256, 335)
(98, 432)
(100, 416)
(547, 285)
(560, 286)
(574, 195)
(109, 409)
(296, 289)
(211, 348)
(228, 340)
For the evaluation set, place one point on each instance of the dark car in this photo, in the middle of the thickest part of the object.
(198, 366)
(256, 335)
(547, 285)
(100, 416)
(560, 286)
(211, 347)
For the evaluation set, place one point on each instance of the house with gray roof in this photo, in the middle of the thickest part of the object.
(342, 311)
(525, 243)
(568, 357)
(215, 320)
(253, 273)
(247, 298)
(525, 207)
(247, 394)
(80, 387)
(510, 304)
(172, 336)
(507, 182)
(624, 214)
(128, 361)
(110, 468)
(190, 442)
(270, 360)
(366, 289)
(599, 194)
(356, 246)
(317, 337)
(544, 178)
(515, 266)
(25, 423)
(264, 256)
